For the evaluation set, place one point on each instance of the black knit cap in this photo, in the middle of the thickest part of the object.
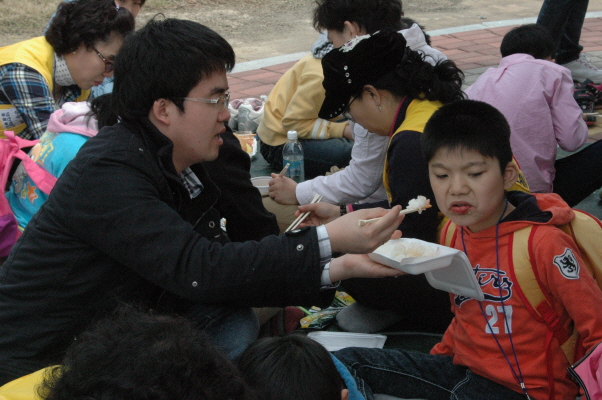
(359, 62)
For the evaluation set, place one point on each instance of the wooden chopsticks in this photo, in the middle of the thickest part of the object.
(363, 222)
(302, 217)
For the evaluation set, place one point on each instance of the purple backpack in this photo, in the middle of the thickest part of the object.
(11, 149)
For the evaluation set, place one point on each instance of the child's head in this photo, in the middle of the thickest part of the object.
(138, 356)
(467, 147)
(292, 367)
(347, 18)
(532, 39)
(133, 5)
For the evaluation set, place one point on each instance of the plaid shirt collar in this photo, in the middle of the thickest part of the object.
(191, 182)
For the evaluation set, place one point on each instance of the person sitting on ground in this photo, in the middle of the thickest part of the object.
(295, 367)
(134, 355)
(37, 76)
(124, 223)
(491, 349)
(134, 6)
(72, 125)
(361, 180)
(536, 97)
(391, 90)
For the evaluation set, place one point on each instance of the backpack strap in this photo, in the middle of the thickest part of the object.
(448, 233)
(43, 179)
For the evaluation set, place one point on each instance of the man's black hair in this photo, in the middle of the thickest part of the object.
(292, 367)
(140, 356)
(166, 59)
(468, 125)
(532, 39)
(86, 22)
(370, 15)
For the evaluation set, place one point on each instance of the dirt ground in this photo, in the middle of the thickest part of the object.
(265, 28)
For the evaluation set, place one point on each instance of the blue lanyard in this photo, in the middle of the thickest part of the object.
(519, 377)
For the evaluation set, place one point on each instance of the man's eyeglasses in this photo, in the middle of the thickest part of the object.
(109, 67)
(346, 112)
(220, 103)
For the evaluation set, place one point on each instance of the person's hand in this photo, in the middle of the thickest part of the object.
(320, 213)
(359, 266)
(283, 189)
(347, 236)
(347, 134)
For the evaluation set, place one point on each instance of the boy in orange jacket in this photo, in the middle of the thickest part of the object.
(496, 348)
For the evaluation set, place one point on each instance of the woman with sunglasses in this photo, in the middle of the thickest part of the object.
(39, 75)
(389, 89)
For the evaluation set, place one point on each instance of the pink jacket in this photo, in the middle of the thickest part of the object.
(536, 97)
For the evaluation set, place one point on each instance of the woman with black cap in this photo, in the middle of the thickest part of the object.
(392, 91)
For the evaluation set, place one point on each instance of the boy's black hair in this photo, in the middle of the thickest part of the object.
(140, 356)
(165, 59)
(292, 367)
(468, 125)
(532, 39)
(86, 22)
(369, 15)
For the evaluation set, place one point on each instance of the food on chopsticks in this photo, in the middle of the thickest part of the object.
(418, 205)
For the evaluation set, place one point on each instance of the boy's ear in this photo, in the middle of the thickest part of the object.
(510, 175)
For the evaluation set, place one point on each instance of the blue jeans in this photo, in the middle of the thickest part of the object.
(231, 329)
(564, 20)
(319, 155)
(408, 374)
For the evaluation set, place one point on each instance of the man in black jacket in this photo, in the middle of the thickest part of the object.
(123, 222)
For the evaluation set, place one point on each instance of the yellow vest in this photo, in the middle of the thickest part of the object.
(37, 54)
(417, 115)
(24, 388)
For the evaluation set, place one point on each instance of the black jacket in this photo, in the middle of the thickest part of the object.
(120, 226)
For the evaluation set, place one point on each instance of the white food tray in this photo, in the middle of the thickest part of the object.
(447, 269)
(334, 341)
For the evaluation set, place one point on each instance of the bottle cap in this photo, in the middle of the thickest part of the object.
(291, 135)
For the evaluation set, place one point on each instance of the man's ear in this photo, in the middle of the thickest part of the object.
(510, 175)
(344, 394)
(160, 111)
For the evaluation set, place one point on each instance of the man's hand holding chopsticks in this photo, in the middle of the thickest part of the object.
(346, 236)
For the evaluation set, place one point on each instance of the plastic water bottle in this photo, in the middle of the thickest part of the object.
(292, 154)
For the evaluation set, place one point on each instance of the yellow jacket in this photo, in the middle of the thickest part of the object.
(293, 104)
(37, 54)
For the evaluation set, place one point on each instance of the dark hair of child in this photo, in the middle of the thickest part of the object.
(292, 367)
(369, 15)
(468, 125)
(139, 356)
(86, 22)
(532, 39)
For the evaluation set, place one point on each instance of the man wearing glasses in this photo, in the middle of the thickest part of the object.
(126, 220)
